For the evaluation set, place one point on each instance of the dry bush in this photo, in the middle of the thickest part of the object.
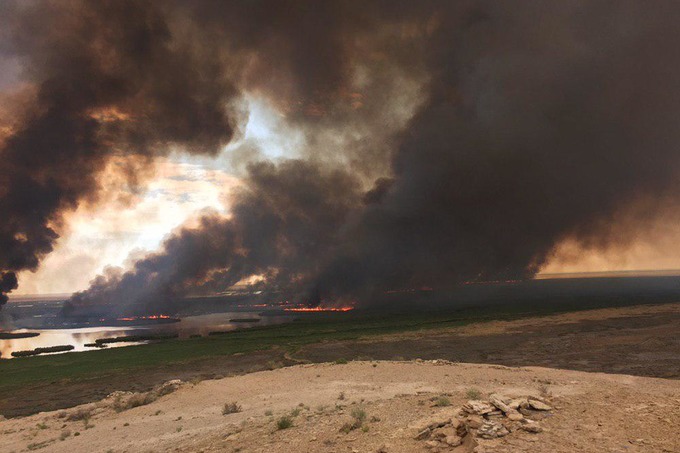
(284, 422)
(123, 403)
(473, 394)
(80, 414)
(442, 401)
(231, 408)
(359, 417)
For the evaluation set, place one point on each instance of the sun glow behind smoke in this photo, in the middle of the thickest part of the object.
(127, 223)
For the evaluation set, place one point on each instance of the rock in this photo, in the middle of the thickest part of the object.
(453, 441)
(474, 421)
(432, 444)
(478, 407)
(422, 435)
(530, 427)
(539, 405)
(168, 387)
(492, 430)
(514, 416)
(445, 432)
(516, 403)
(499, 402)
(382, 449)
(424, 427)
(494, 414)
(459, 426)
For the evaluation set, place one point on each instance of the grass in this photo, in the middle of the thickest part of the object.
(358, 419)
(109, 363)
(473, 394)
(284, 422)
(442, 401)
(80, 414)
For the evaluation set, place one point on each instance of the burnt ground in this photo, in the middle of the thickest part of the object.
(639, 341)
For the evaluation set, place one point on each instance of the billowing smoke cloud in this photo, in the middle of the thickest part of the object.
(105, 79)
(535, 122)
(284, 221)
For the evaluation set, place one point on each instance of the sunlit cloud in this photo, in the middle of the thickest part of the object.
(108, 234)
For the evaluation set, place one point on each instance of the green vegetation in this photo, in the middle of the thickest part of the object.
(98, 363)
(442, 401)
(284, 422)
(358, 419)
(473, 394)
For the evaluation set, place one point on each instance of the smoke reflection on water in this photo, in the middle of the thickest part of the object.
(191, 325)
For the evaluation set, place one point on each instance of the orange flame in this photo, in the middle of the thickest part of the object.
(319, 309)
(135, 318)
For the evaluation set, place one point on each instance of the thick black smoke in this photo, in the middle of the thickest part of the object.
(107, 79)
(534, 122)
(284, 222)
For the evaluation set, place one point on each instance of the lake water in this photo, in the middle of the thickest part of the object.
(190, 325)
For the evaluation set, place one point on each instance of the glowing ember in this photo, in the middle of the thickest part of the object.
(136, 318)
(318, 309)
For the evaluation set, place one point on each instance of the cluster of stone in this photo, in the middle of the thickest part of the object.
(480, 419)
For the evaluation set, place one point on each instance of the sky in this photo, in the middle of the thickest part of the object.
(114, 233)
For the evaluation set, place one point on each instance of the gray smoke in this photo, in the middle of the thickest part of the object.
(534, 122)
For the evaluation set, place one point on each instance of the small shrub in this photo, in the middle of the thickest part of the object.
(268, 413)
(273, 365)
(284, 422)
(365, 428)
(121, 404)
(442, 401)
(65, 434)
(231, 408)
(42, 426)
(295, 412)
(473, 394)
(341, 396)
(341, 361)
(80, 414)
(359, 415)
(38, 445)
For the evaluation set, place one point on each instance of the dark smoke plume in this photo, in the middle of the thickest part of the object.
(107, 79)
(533, 123)
(284, 222)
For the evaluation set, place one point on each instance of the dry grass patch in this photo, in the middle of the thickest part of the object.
(231, 408)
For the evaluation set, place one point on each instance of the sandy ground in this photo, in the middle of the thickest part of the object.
(592, 412)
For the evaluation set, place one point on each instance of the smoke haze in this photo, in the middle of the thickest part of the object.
(444, 141)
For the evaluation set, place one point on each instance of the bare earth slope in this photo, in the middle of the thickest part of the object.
(591, 412)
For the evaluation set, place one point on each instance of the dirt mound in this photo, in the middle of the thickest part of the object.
(387, 407)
